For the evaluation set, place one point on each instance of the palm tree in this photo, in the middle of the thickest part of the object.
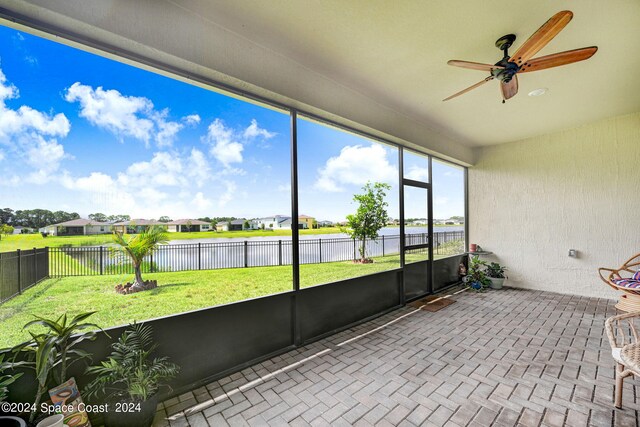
(139, 246)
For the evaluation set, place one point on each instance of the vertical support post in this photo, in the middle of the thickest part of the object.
(199, 256)
(320, 249)
(246, 254)
(101, 260)
(430, 225)
(466, 209)
(47, 263)
(18, 257)
(151, 264)
(295, 233)
(402, 242)
(35, 265)
(279, 252)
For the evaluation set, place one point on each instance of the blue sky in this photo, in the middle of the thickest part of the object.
(79, 132)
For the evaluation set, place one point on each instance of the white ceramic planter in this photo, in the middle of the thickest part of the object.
(496, 283)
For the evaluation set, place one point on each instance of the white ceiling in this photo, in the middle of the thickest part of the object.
(396, 53)
(380, 65)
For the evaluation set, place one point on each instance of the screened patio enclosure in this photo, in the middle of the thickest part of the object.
(358, 90)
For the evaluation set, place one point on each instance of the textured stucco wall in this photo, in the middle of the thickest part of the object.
(530, 201)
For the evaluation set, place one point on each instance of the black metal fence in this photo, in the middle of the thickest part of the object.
(100, 260)
(21, 269)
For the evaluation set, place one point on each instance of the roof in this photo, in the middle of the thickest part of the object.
(140, 221)
(238, 221)
(187, 222)
(305, 217)
(80, 222)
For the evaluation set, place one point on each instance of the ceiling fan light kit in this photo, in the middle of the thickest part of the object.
(507, 69)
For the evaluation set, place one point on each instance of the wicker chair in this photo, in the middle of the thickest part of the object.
(618, 280)
(625, 349)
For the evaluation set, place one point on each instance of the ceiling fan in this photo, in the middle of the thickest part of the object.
(507, 69)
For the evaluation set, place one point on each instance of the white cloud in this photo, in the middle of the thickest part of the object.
(167, 131)
(26, 119)
(355, 166)
(227, 196)
(198, 168)
(227, 145)
(29, 135)
(7, 90)
(10, 182)
(192, 119)
(164, 169)
(109, 109)
(96, 180)
(2, 155)
(164, 184)
(254, 131)
(417, 173)
(44, 156)
(126, 116)
(284, 188)
(224, 147)
(200, 202)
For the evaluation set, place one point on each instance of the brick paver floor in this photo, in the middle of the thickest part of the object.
(509, 357)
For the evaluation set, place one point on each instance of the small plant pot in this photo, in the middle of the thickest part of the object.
(496, 283)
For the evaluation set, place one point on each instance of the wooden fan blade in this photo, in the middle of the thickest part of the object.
(540, 38)
(558, 59)
(474, 65)
(509, 89)
(470, 88)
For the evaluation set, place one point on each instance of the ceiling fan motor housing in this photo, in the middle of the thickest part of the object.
(505, 74)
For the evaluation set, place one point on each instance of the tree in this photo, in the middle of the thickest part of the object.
(98, 217)
(6, 229)
(164, 218)
(370, 216)
(6, 216)
(118, 218)
(246, 225)
(139, 246)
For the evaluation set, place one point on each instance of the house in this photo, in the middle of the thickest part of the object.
(275, 222)
(306, 221)
(325, 223)
(187, 225)
(22, 230)
(235, 225)
(136, 225)
(78, 227)
(286, 224)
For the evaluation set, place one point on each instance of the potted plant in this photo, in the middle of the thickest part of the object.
(495, 272)
(130, 379)
(50, 353)
(476, 277)
(6, 380)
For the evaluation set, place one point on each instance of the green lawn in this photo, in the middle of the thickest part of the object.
(30, 241)
(177, 292)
